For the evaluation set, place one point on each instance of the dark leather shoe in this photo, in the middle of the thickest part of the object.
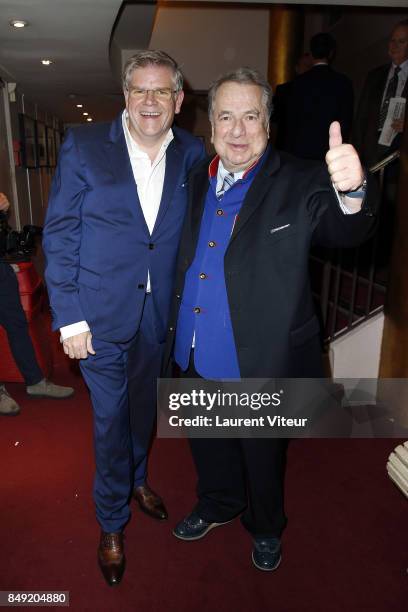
(266, 554)
(193, 527)
(150, 502)
(111, 557)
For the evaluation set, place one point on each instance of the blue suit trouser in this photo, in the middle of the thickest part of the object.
(122, 426)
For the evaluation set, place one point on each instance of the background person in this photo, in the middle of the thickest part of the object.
(13, 319)
(281, 96)
(315, 99)
(381, 84)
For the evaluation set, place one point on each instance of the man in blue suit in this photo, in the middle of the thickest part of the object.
(111, 238)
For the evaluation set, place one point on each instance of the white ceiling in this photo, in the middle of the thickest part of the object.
(76, 35)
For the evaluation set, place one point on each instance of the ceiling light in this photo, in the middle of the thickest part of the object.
(85, 114)
(46, 62)
(79, 105)
(89, 118)
(19, 23)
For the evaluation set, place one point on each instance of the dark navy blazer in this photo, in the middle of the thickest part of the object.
(96, 241)
(289, 206)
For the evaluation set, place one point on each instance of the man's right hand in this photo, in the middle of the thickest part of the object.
(78, 346)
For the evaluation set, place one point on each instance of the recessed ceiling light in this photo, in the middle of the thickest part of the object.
(89, 118)
(19, 23)
(79, 105)
(46, 62)
(85, 114)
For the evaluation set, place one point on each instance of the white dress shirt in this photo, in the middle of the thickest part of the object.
(222, 173)
(149, 179)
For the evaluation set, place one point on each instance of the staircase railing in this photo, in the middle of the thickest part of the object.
(350, 284)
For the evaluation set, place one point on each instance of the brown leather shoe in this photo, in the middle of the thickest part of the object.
(150, 502)
(111, 557)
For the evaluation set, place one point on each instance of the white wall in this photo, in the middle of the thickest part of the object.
(357, 354)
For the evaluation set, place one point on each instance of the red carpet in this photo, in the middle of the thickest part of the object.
(345, 547)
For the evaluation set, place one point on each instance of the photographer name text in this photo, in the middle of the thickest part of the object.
(218, 421)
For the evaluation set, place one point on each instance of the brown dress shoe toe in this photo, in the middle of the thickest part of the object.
(111, 557)
(150, 502)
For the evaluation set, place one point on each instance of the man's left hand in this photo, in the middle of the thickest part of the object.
(343, 162)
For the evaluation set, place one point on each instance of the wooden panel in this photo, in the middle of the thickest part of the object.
(285, 42)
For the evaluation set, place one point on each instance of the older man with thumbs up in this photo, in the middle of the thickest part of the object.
(243, 305)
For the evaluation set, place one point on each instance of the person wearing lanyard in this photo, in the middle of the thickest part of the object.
(382, 84)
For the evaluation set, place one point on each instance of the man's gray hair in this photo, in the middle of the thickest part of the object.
(151, 57)
(244, 76)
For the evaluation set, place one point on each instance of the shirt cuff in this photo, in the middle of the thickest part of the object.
(73, 330)
(344, 209)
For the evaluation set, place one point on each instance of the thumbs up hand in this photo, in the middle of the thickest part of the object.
(343, 162)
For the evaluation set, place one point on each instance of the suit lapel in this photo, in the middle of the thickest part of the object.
(378, 93)
(120, 167)
(172, 175)
(381, 85)
(256, 193)
(199, 188)
(404, 93)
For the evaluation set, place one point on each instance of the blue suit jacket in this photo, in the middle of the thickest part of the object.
(97, 245)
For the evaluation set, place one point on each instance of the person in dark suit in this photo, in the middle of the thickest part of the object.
(382, 83)
(314, 100)
(111, 237)
(243, 305)
(281, 99)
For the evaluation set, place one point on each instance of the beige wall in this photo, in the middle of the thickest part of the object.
(357, 353)
(209, 41)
